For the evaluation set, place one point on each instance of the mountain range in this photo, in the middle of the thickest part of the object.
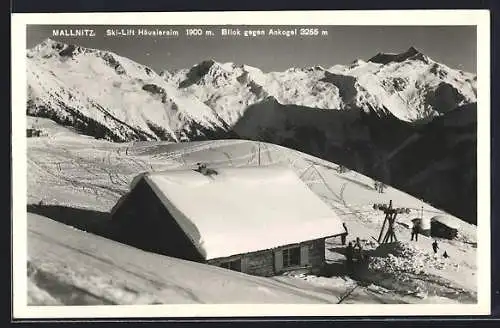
(404, 118)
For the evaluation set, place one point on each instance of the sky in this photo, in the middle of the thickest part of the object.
(454, 46)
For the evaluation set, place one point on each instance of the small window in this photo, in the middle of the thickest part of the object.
(232, 265)
(291, 257)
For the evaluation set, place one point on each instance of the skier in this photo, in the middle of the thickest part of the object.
(445, 255)
(435, 246)
(414, 231)
(349, 252)
(343, 236)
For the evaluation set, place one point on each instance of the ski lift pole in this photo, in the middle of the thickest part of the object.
(390, 216)
(382, 230)
(393, 234)
(386, 210)
(258, 144)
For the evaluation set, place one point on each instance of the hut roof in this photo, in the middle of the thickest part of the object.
(242, 210)
(446, 220)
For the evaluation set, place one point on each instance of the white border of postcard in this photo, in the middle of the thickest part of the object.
(479, 18)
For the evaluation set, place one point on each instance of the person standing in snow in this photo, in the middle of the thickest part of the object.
(414, 231)
(358, 249)
(349, 253)
(435, 246)
(358, 243)
(445, 255)
(343, 236)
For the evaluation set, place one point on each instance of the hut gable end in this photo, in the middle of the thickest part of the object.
(146, 223)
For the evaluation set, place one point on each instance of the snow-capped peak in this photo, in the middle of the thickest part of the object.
(111, 95)
(47, 43)
(50, 47)
(357, 62)
(412, 53)
(313, 68)
(408, 85)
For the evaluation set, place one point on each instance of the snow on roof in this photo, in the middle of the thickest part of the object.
(446, 220)
(243, 210)
(425, 222)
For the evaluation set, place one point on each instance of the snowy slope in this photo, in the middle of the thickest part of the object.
(106, 95)
(67, 266)
(77, 180)
(358, 115)
(100, 170)
(92, 270)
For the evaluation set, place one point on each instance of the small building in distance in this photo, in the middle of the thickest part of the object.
(258, 220)
(424, 225)
(444, 227)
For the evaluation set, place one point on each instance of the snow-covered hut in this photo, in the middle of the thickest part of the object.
(258, 220)
(444, 227)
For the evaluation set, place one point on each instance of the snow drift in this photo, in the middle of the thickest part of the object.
(70, 267)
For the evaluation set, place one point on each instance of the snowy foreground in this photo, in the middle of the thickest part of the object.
(74, 181)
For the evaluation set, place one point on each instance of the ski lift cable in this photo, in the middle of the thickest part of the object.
(357, 212)
(428, 211)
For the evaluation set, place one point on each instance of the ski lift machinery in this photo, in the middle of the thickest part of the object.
(387, 235)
